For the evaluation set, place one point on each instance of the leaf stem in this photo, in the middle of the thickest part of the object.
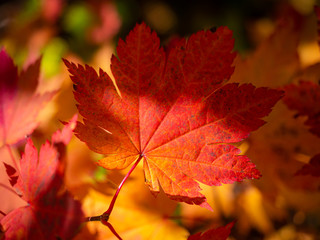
(120, 186)
(113, 230)
(105, 216)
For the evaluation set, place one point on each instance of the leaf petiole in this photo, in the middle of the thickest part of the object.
(120, 186)
(105, 216)
(113, 230)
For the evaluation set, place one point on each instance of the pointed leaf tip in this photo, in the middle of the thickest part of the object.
(12, 174)
(220, 233)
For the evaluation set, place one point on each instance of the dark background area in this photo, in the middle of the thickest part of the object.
(167, 18)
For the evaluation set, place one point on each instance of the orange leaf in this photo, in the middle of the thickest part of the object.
(276, 59)
(175, 111)
(305, 98)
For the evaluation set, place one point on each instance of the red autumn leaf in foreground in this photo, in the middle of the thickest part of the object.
(305, 98)
(221, 233)
(51, 213)
(175, 112)
(19, 102)
(312, 168)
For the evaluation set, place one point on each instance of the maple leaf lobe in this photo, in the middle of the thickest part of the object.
(8, 73)
(304, 98)
(19, 102)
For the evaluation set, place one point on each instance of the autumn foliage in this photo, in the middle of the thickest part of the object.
(174, 111)
(169, 127)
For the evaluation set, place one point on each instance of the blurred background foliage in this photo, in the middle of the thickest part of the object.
(87, 32)
(82, 26)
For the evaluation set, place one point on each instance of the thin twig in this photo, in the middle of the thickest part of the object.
(91, 219)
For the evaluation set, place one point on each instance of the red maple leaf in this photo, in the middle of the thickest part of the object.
(19, 102)
(221, 233)
(175, 112)
(305, 98)
(51, 213)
